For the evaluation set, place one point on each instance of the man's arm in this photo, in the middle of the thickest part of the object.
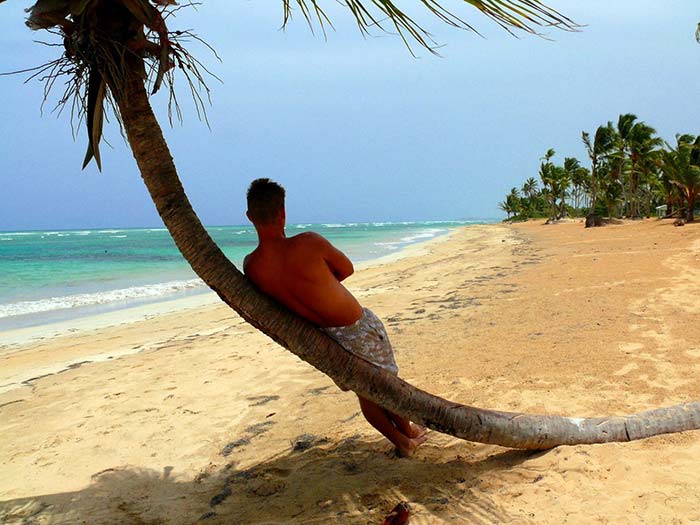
(338, 263)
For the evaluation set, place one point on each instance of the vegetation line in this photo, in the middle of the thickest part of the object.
(633, 174)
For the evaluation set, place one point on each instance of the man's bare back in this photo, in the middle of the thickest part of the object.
(304, 273)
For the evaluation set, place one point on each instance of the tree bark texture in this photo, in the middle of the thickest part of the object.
(311, 345)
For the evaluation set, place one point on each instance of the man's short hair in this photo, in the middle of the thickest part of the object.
(265, 200)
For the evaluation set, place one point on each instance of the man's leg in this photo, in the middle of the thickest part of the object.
(379, 419)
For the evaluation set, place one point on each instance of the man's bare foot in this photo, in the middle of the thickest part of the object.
(411, 445)
(417, 431)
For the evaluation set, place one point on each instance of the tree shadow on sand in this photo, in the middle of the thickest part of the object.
(350, 482)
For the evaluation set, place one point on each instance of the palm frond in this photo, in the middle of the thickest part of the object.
(97, 48)
(521, 15)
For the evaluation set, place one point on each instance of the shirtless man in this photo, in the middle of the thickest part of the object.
(304, 273)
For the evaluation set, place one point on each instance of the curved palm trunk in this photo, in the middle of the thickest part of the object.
(502, 428)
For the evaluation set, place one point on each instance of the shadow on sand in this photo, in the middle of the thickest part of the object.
(350, 482)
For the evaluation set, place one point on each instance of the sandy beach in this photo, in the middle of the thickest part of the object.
(186, 414)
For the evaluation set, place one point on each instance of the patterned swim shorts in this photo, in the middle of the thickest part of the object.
(367, 338)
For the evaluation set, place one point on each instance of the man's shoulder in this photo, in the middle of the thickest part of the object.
(310, 243)
(309, 238)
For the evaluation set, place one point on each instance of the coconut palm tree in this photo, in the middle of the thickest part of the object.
(620, 159)
(112, 45)
(580, 181)
(529, 202)
(682, 167)
(506, 207)
(547, 176)
(573, 174)
(529, 188)
(598, 149)
(642, 145)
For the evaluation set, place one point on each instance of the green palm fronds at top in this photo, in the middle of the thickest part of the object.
(98, 42)
(99, 36)
(524, 15)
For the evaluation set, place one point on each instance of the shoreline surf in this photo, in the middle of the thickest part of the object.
(56, 276)
(106, 315)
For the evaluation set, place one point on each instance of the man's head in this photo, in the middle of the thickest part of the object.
(265, 202)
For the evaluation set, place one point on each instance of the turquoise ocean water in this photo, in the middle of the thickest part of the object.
(49, 276)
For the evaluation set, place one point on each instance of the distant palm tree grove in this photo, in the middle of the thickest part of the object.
(630, 173)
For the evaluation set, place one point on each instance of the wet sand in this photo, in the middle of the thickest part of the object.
(191, 416)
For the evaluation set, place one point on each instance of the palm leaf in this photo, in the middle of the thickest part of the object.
(523, 15)
(95, 117)
(48, 13)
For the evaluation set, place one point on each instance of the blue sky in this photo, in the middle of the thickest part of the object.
(357, 129)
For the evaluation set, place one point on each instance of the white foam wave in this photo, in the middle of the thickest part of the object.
(334, 225)
(151, 291)
(408, 239)
(117, 236)
(110, 231)
(428, 234)
(6, 239)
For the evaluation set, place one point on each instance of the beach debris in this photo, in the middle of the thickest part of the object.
(399, 515)
(679, 222)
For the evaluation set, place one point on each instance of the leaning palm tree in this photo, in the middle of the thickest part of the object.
(111, 47)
